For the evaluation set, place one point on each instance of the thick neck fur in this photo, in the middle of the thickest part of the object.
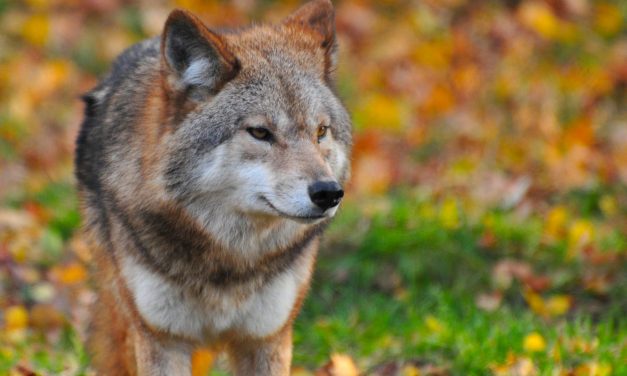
(175, 246)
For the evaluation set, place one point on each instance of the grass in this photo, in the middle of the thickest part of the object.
(398, 280)
(406, 288)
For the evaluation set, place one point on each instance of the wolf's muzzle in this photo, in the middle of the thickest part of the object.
(325, 194)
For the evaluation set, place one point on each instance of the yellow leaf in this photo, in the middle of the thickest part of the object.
(582, 345)
(556, 353)
(38, 4)
(608, 18)
(539, 17)
(410, 370)
(380, 111)
(71, 274)
(449, 214)
(580, 234)
(202, 361)
(558, 305)
(434, 325)
(608, 205)
(434, 54)
(555, 305)
(300, 371)
(6, 352)
(555, 223)
(536, 303)
(35, 29)
(593, 369)
(16, 317)
(534, 342)
(19, 249)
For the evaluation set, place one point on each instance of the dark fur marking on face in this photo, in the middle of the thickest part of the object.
(246, 156)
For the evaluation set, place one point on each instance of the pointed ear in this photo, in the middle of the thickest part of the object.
(193, 56)
(318, 18)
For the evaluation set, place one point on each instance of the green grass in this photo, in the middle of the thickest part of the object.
(401, 284)
(429, 313)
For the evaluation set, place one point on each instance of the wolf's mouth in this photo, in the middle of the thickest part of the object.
(305, 218)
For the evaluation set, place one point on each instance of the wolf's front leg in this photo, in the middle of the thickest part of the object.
(161, 357)
(268, 357)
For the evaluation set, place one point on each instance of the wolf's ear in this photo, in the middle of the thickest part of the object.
(318, 18)
(193, 56)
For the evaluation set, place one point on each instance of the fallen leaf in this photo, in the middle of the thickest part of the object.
(300, 371)
(534, 342)
(202, 361)
(434, 325)
(558, 305)
(71, 274)
(339, 365)
(449, 213)
(580, 234)
(35, 29)
(555, 222)
(593, 369)
(515, 366)
(46, 316)
(608, 18)
(539, 17)
(15, 317)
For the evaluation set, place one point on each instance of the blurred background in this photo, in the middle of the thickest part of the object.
(485, 228)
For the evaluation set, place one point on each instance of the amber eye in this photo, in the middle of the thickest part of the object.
(260, 133)
(322, 132)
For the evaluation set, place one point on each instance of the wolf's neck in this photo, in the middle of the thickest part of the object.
(173, 244)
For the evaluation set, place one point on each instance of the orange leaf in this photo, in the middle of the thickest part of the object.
(71, 274)
(202, 361)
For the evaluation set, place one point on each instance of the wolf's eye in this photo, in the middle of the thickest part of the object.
(322, 132)
(260, 133)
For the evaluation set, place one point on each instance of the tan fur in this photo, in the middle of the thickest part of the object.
(176, 267)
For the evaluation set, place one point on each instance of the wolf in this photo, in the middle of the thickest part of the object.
(208, 164)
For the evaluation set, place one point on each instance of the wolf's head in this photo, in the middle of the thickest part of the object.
(257, 130)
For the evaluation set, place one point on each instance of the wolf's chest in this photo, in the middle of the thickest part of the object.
(254, 312)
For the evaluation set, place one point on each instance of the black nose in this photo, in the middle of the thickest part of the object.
(325, 194)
